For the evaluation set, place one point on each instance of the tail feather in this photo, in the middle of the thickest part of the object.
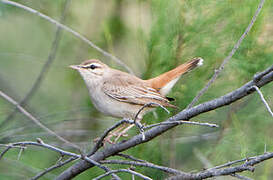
(166, 81)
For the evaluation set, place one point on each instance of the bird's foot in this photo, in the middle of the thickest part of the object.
(105, 140)
(123, 133)
(108, 139)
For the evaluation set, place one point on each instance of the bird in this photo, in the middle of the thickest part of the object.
(119, 94)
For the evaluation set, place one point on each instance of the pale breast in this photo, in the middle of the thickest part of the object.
(110, 106)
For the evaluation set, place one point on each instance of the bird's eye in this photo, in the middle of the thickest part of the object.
(92, 66)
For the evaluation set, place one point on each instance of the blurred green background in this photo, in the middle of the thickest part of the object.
(151, 37)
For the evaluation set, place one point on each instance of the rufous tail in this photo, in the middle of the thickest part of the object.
(164, 82)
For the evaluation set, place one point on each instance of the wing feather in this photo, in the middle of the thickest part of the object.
(133, 90)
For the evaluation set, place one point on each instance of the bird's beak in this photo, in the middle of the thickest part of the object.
(77, 67)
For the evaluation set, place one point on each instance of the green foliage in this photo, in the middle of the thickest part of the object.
(152, 37)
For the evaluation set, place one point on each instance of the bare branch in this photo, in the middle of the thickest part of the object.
(207, 163)
(264, 101)
(6, 150)
(240, 177)
(143, 164)
(106, 169)
(20, 153)
(123, 170)
(36, 121)
(55, 166)
(40, 143)
(66, 28)
(106, 132)
(45, 68)
(247, 166)
(236, 46)
(9, 145)
(232, 162)
(258, 76)
(181, 122)
(126, 156)
(186, 114)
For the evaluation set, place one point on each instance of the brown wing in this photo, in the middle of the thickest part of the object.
(130, 89)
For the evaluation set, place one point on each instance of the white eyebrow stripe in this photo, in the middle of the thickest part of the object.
(96, 64)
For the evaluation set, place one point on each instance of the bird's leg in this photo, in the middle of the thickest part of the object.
(115, 133)
(124, 131)
(111, 134)
(128, 127)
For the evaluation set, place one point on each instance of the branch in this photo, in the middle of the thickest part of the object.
(207, 164)
(36, 121)
(236, 46)
(40, 143)
(45, 68)
(247, 166)
(264, 101)
(142, 128)
(265, 78)
(232, 162)
(143, 164)
(126, 156)
(181, 122)
(66, 28)
(240, 177)
(55, 166)
(99, 143)
(123, 170)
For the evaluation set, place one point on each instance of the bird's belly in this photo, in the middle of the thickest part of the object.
(112, 107)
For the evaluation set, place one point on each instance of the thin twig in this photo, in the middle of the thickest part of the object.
(40, 143)
(247, 166)
(231, 163)
(181, 122)
(126, 156)
(264, 101)
(45, 68)
(106, 169)
(60, 159)
(20, 153)
(55, 166)
(6, 150)
(123, 170)
(143, 164)
(36, 121)
(240, 177)
(259, 75)
(76, 34)
(8, 145)
(236, 46)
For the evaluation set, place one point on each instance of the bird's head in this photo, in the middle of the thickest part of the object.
(91, 70)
